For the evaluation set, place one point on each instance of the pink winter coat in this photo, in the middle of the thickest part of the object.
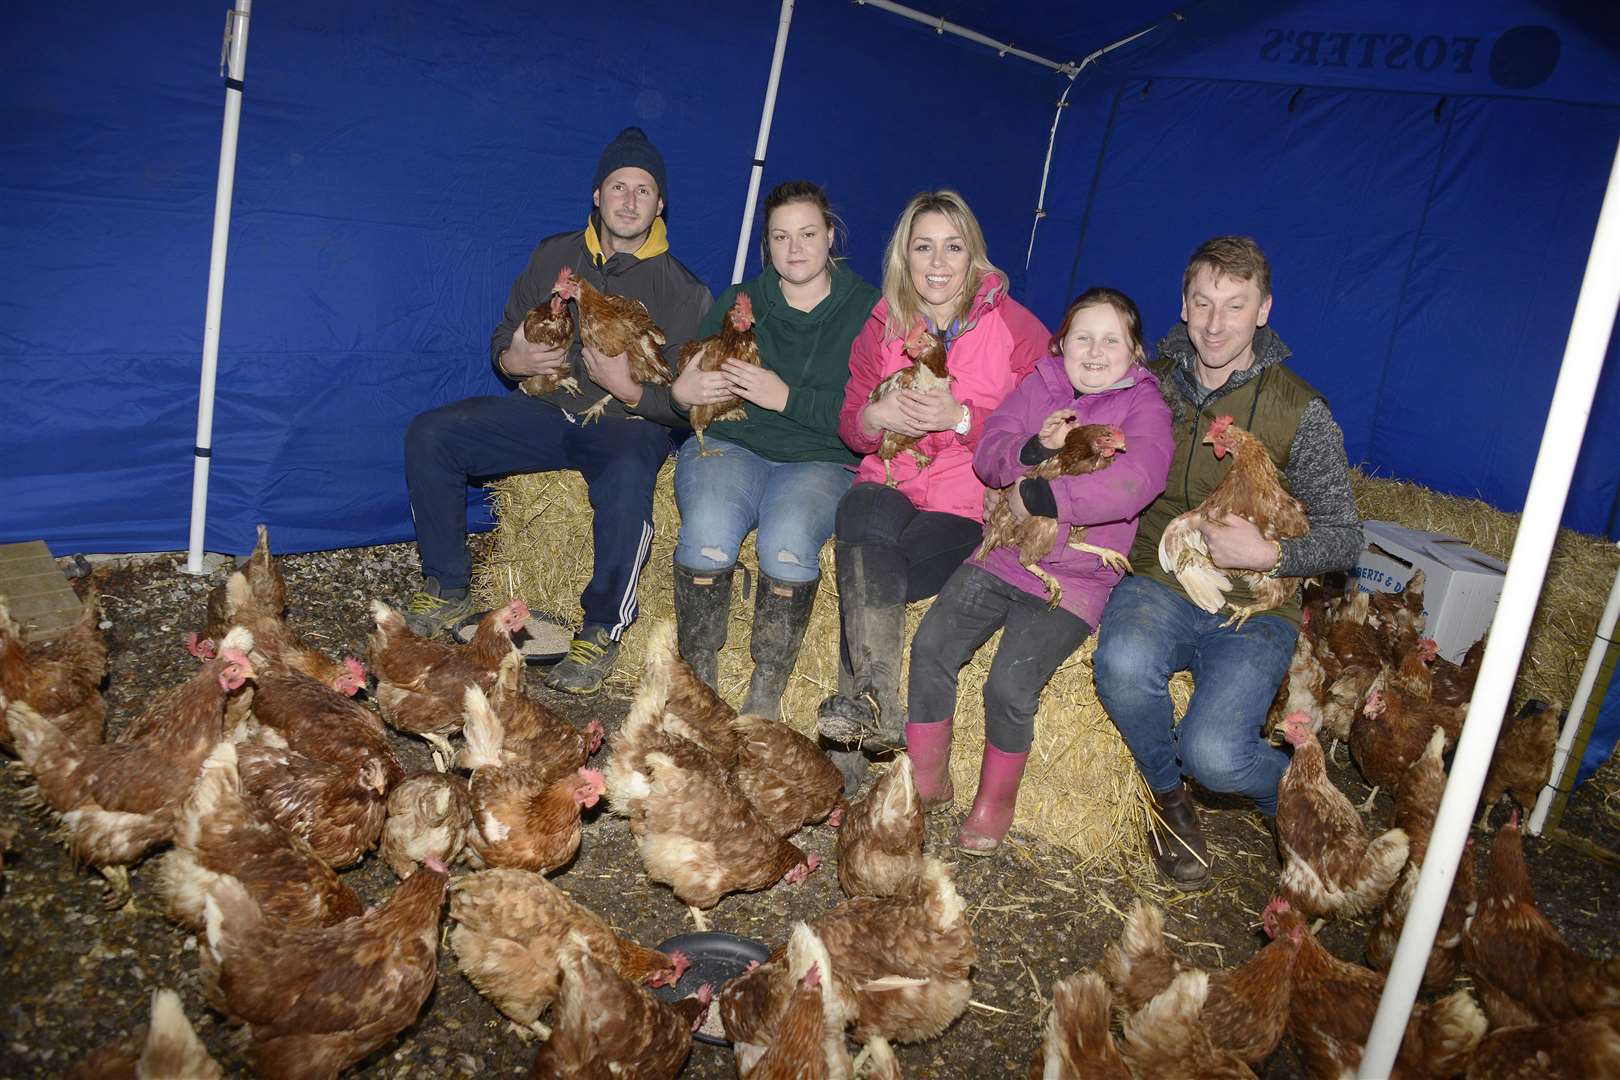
(1109, 501)
(1000, 342)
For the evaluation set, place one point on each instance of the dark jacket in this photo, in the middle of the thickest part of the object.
(1292, 420)
(810, 351)
(672, 294)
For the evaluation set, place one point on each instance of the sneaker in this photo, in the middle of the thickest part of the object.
(430, 610)
(589, 662)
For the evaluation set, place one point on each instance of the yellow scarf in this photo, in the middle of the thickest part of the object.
(657, 241)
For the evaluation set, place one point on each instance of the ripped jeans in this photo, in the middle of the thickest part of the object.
(724, 497)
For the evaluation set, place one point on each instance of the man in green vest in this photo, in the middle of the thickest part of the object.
(1223, 361)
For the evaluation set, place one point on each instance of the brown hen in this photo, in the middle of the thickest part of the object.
(611, 325)
(421, 685)
(880, 842)
(550, 326)
(1087, 448)
(217, 835)
(428, 815)
(927, 372)
(607, 1027)
(317, 1000)
(1245, 1010)
(1393, 729)
(532, 732)
(781, 1018)
(337, 807)
(1167, 1038)
(1332, 1009)
(323, 723)
(60, 681)
(524, 814)
(1525, 971)
(165, 1049)
(118, 800)
(786, 776)
(904, 960)
(686, 705)
(511, 926)
(1588, 1047)
(1416, 803)
(1252, 490)
(735, 341)
(1523, 758)
(696, 831)
(1076, 1043)
(1331, 864)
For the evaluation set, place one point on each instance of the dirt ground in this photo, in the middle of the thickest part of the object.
(74, 976)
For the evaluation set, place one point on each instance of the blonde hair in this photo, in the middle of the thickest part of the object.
(904, 302)
(1229, 256)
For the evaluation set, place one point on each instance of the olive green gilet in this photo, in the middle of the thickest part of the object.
(1268, 406)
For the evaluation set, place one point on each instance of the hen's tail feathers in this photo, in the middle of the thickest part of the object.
(1077, 1027)
(217, 783)
(1451, 1029)
(1380, 865)
(1141, 940)
(483, 730)
(658, 669)
(172, 1047)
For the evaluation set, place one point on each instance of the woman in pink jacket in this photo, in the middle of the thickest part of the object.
(1094, 376)
(898, 544)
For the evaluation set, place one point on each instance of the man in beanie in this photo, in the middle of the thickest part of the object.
(622, 251)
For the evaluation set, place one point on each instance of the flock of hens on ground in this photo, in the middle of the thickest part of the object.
(262, 776)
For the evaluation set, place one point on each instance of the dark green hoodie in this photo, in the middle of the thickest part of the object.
(810, 351)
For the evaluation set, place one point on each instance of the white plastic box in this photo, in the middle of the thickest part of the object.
(1460, 585)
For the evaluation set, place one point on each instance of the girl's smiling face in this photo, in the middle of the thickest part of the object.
(1097, 348)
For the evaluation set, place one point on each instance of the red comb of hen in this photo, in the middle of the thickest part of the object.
(564, 276)
(916, 337)
(744, 306)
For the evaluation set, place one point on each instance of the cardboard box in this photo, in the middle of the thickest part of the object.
(1460, 585)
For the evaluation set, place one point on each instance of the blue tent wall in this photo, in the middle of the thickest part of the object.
(399, 160)
(1428, 216)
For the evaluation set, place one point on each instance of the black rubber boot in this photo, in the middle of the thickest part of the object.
(1176, 840)
(781, 612)
(702, 613)
(872, 601)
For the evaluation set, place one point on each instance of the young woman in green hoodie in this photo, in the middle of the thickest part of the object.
(781, 468)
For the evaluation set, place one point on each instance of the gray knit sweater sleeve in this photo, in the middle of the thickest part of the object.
(1319, 477)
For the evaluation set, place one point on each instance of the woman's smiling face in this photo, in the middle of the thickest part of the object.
(939, 264)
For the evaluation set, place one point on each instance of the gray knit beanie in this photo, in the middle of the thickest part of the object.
(630, 149)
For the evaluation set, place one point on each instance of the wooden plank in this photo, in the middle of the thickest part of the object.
(36, 592)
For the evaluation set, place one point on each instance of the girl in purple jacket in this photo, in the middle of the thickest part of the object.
(1094, 375)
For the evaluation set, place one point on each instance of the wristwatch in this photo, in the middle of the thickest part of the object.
(964, 425)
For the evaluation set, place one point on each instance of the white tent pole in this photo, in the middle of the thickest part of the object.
(1601, 644)
(784, 20)
(233, 63)
(1051, 138)
(941, 25)
(1538, 528)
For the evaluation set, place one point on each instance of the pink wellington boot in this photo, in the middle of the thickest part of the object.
(929, 747)
(993, 804)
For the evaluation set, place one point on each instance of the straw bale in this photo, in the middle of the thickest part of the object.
(1081, 789)
(1579, 575)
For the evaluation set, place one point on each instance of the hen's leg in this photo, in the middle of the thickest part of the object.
(704, 451)
(596, 411)
(1051, 583)
(697, 919)
(569, 384)
(1109, 556)
(119, 893)
(1367, 806)
(440, 744)
(923, 460)
(888, 472)
(1240, 615)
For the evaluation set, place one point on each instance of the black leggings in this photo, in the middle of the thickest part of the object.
(927, 545)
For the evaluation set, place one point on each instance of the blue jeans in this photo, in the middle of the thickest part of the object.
(492, 436)
(1148, 633)
(724, 497)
